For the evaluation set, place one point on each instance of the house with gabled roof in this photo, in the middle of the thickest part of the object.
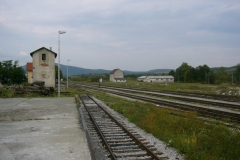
(117, 75)
(43, 66)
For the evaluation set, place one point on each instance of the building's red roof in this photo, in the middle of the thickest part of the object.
(29, 66)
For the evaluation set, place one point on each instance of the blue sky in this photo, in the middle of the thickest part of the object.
(136, 35)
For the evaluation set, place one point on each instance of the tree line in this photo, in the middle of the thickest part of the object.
(203, 74)
(11, 73)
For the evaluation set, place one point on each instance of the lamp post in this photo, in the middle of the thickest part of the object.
(59, 32)
(67, 74)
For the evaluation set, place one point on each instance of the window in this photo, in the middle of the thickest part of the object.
(43, 57)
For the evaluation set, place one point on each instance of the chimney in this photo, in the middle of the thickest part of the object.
(50, 48)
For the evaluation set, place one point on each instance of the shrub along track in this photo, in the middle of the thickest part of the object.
(120, 141)
(205, 111)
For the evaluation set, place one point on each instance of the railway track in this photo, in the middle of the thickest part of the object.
(229, 98)
(186, 98)
(205, 111)
(201, 110)
(120, 141)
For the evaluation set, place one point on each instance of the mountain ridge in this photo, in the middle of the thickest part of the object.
(73, 70)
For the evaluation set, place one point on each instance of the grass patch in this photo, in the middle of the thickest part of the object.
(194, 138)
(6, 93)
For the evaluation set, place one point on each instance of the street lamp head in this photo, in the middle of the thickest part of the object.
(68, 60)
(62, 31)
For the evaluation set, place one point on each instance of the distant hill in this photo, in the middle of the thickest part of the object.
(79, 71)
(228, 69)
(83, 71)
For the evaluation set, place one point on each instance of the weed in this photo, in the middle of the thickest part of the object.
(7, 93)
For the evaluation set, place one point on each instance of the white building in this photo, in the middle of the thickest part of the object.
(43, 64)
(141, 78)
(117, 75)
(161, 79)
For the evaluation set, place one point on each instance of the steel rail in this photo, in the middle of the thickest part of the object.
(205, 101)
(149, 152)
(235, 117)
(192, 99)
(202, 110)
(230, 98)
(136, 140)
(99, 131)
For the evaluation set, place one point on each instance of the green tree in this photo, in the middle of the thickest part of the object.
(56, 73)
(210, 78)
(202, 73)
(171, 73)
(180, 72)
(190, 75)
(236, 73)
(221, 76)
(11, 73)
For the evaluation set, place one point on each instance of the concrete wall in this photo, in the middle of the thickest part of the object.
(44, 70)
(112, 78)
(30, 75)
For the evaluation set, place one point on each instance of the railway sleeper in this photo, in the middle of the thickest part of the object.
(141, 139)
(125, 148)
(119, 140)
(103, 119)
(117, 137)
(137, 158)
(121, 143)
(131, 154)
(107, 125)
(111, 130)
(130, 150)
(114, 134)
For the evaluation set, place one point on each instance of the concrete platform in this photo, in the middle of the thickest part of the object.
(41, 129)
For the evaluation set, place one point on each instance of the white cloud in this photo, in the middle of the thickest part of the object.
(23, 54)
(159, 33)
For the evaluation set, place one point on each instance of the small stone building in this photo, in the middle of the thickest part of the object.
(117, 75)
(43, 63)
